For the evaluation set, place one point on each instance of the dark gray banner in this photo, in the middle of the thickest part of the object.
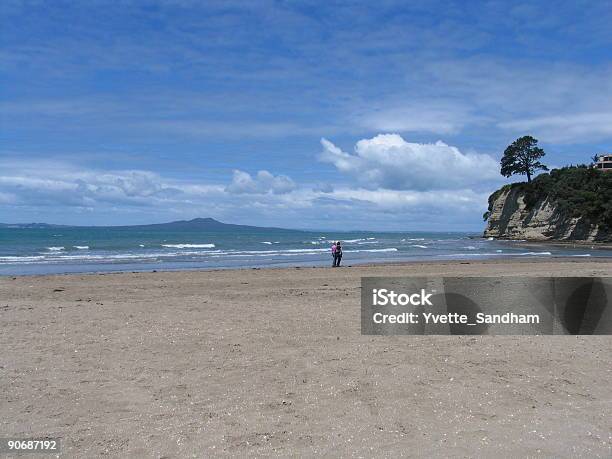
(486, 305)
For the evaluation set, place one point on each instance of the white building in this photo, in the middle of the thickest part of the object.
(604, 162)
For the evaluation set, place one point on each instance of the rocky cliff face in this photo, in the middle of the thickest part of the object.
(510, 218)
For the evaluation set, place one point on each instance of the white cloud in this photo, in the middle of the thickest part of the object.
(388, 161)
(264, 182)
(72, 187)
(6, 198)
(43, 192)
(205, 128)
(425, 116)
(565, 128)
(560, 102)
(394, 199)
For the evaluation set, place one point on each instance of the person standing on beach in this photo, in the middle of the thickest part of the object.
(338, 256)
(333, 250)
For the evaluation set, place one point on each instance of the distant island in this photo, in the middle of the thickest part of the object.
(30, 225)
(196, 224)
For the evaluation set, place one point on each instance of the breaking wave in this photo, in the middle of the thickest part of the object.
(189, 246)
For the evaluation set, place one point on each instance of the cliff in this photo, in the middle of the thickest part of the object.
(569, 204)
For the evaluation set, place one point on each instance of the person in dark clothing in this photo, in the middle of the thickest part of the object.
(338, 254)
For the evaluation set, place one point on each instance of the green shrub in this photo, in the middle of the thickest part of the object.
(577, 191)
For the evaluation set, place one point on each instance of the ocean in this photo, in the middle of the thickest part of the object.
(109, 249)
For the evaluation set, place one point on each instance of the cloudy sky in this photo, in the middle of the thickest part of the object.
(303, 114)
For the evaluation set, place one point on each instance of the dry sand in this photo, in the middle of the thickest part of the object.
(271, 362)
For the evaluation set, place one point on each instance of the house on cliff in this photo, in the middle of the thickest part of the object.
(604, 162)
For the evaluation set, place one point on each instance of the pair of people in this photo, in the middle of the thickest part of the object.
(336, 250)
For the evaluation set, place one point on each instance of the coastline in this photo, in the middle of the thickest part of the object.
(591, 244)
(500, 260)
(272, 362)
(493, 259)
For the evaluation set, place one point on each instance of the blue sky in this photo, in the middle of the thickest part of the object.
(373, 115)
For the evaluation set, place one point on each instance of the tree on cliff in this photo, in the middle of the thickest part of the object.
(522, 157)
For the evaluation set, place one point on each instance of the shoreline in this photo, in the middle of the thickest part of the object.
(604, 245)
(400, 263)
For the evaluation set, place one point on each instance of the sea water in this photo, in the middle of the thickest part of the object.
(94, 249)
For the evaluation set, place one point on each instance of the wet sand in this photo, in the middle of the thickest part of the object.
(271, 362)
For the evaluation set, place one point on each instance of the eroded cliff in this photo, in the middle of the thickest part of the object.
(512, 216)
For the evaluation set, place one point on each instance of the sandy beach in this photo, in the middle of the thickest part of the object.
(271, 362)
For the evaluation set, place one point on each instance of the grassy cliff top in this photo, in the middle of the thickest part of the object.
(576, 191)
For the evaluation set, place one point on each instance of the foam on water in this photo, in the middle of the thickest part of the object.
(189, 246)
(390, 249)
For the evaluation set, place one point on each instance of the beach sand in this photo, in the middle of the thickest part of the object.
(271, 362)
